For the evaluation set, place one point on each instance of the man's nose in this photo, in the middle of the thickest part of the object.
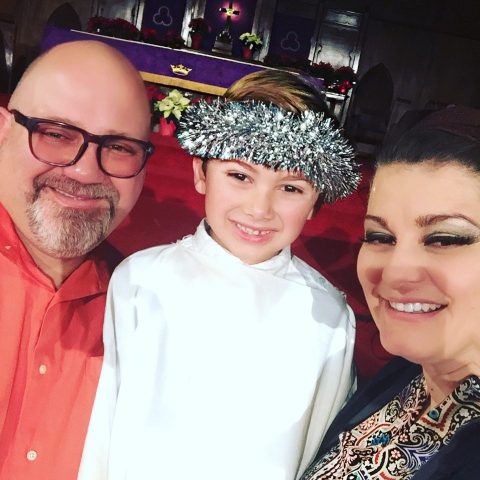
(86, 169)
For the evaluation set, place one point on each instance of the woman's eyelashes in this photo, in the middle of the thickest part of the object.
(449, 239)
(430, 240)
(377, 238)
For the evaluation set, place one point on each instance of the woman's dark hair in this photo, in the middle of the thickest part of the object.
(437, 146)
(449, 135)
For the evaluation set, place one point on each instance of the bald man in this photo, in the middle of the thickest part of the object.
(73, 147)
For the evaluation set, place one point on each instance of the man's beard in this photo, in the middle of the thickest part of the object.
(65, 232)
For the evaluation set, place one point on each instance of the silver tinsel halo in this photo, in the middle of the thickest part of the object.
(264, 134)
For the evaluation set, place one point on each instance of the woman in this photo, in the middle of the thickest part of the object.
(419, 268)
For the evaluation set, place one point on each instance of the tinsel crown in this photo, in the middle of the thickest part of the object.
(265, 134)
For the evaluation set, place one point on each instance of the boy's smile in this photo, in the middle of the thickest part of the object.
(253, 212)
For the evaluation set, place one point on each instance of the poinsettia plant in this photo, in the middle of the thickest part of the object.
(113, 27)
(251, 40)
(343, 80)
(323, 70)
(172, 106)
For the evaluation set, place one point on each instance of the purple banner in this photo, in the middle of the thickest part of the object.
(291, 35)
(164, 15)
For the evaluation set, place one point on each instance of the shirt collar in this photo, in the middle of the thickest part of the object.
(205, 244)
(96, 268)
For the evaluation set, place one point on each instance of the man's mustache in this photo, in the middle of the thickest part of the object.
(75, 188)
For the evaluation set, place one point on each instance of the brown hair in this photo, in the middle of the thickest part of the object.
(290, 91)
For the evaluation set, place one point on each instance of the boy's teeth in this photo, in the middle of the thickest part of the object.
(250, 231)
(415, 307)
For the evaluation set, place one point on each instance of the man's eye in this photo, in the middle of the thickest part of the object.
(119, 148)
(54, 134)
(377, 238)
(447, 240)
(239, 176)
(292, 189)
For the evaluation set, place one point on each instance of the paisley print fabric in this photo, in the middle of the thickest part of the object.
(398, 439)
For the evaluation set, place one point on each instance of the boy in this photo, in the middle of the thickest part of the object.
(230, 356)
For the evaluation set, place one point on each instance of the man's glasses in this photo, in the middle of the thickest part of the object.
(60, 144)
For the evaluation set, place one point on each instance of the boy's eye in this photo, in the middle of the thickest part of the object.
(447, 240)
(239, 176)
(378, 238)
(292, 189)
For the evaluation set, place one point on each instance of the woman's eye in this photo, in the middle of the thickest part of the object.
(447, 240)
(376, 238)
(237, 175)
(292, 189)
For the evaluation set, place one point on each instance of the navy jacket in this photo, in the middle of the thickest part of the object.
(460, 460)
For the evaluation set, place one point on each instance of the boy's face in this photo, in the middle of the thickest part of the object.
(253, 211)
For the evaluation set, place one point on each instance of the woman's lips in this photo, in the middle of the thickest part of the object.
(415, 307)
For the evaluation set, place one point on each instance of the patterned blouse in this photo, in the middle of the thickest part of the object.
(398, 439)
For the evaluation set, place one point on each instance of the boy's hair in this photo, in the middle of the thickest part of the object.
(290, 91)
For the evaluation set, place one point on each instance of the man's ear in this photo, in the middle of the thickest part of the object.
(199, 178)
(5, 122)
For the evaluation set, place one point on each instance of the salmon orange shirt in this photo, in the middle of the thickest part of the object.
(51, 354)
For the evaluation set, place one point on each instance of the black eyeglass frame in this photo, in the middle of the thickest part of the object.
(31, 122)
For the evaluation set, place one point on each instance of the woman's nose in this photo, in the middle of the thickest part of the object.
(403, 267)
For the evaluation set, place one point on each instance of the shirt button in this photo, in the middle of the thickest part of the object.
(42, 369)
(32, 455)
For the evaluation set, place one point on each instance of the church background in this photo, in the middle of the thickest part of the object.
(409, 55)
(429, 50)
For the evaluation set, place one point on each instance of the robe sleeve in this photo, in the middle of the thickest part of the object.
(120, 321)
(335, 385)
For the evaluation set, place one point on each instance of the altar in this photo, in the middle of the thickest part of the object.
(198, 71)
(189, 69)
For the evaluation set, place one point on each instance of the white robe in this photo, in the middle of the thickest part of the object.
(223, 370)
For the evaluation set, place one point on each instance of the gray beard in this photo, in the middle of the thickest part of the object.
(68, 232)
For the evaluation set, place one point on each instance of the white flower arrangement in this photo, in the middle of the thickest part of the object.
(173, 104)
(251, 40)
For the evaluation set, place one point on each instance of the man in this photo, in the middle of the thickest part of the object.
(62, 191)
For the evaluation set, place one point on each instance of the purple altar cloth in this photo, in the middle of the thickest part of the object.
(206, 68)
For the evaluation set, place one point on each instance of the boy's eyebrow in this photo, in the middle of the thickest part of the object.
(242, 163)
(289, 175)
(294, 176)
